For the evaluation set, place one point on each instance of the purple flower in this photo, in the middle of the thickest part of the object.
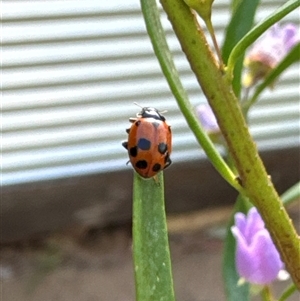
(257, 260)
(269, 50)
(207, 118)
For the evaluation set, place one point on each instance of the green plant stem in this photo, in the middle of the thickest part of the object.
(267, 294)
(253, 34)
(288, 292)
(252, 173)
(161, 49)
(211, 31)
(151, 255)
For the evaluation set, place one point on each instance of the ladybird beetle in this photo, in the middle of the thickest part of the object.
(149, 142)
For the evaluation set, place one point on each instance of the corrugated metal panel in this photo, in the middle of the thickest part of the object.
(71, 72)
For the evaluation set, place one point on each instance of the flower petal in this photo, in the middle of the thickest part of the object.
(257, 259)
(266, 262)
(291, 36)
(243, 257)
(254, 224)
(207, 118)
(240, 221)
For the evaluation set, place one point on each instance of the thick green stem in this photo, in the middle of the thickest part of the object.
(225, 105)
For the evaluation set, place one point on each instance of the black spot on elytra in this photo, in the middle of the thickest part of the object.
(162, 148)
(144, 144)
(133, 151)
(141, 164)
(155, 124)
(137, 123)
(156, 167)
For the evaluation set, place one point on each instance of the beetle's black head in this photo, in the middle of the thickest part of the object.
(148, 112)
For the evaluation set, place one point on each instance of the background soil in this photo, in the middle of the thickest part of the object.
(95, 264)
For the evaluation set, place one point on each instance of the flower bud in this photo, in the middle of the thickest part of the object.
(209, 123)
(257, 259)
(207, 118)
(268, 51)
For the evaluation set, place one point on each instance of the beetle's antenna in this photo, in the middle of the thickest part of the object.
(162, 112)
(138, 105)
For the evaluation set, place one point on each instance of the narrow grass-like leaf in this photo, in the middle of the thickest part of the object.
(165, 58)
(288, 292)
(234, 4)
(151, 255)
(292, 57)
(291, 195)
(240, 23)
(259, 29)
(230, 275)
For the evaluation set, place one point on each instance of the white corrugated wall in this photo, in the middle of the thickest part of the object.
(71, 71)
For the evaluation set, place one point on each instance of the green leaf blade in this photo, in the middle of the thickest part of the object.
(240, 23)
(151, 255)
(291, 195)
